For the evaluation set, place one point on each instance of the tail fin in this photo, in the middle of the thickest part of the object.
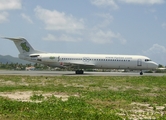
(23, 46)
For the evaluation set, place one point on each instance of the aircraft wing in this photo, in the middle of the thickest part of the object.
(77, 64)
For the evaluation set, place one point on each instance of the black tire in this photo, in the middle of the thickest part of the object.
(141, 73)
(79, 72)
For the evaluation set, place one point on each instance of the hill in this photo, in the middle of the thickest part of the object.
(10, 59)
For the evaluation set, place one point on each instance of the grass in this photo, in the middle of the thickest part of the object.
(89, 97)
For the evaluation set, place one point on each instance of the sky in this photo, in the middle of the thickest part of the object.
(129, 27)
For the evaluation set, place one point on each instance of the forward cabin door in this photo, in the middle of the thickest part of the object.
(139, 62)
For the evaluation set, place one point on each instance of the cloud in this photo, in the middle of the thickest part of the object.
(63, 37)
(107, 19)
(10, 4)
(157, 52)
(3, 17)
(164, 25)
(150, 2)
(108, 3)
(27, 18)
(104, 37)
(156, 49)
(101, 33)
(113, 4)
(55, 20)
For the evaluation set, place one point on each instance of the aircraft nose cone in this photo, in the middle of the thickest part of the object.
(152, 65)
(155, 65)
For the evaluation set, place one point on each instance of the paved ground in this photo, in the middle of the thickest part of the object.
(72, 73)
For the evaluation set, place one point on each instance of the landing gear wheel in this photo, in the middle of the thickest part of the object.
(141, 73)
(79, 72)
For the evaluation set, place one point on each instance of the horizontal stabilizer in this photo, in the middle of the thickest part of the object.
(23, 46)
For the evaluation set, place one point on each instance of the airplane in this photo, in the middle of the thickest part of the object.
(82, 61)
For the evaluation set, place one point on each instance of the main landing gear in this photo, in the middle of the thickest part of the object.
(79, 72)
(141, 73)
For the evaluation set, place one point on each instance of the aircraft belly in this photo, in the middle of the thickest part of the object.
(137, 67)
(111, 65)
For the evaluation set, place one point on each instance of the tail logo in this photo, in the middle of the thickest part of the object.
(25, 47)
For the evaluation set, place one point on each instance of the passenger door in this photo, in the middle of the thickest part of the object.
(139, 62)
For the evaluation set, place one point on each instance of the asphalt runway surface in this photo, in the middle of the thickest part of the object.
(72, 73)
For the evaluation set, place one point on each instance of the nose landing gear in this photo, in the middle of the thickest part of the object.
(141, 73)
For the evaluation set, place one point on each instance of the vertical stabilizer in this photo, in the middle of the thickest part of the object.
(23, 46)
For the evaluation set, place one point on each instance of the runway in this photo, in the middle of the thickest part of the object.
(72, 73)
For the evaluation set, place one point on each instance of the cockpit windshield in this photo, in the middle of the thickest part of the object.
(147, 60)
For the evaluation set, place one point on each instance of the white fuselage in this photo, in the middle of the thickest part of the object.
(81, 61)
(103, 61)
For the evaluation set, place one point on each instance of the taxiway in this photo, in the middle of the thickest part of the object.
(72, 73)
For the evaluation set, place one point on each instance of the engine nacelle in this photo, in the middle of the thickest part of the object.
(44, 58)
(48, 58)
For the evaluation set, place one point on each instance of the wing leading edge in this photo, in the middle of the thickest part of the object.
(80, 64)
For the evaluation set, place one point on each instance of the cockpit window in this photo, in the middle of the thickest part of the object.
(147, 60)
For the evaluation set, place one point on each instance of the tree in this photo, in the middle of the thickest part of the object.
(160, 66)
